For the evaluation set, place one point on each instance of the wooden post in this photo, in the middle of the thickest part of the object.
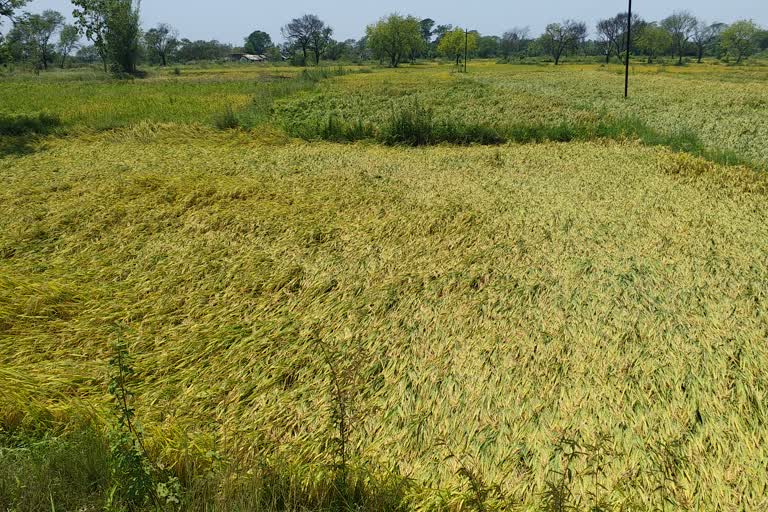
(629, 44)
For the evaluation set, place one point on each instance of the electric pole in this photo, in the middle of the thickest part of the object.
(629, 44)
(466, 47)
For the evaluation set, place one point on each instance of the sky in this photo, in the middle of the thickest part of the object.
(231, 20)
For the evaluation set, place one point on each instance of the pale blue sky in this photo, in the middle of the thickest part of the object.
(231, 20)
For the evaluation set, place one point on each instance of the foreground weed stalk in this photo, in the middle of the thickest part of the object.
(558, 495)
(339, 415)
(483, 495)
(132, 469)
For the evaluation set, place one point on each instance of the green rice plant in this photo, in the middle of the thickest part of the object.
(22, 124)
(336, 130)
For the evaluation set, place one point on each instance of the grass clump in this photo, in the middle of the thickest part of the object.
(410, 126)
(227, 120)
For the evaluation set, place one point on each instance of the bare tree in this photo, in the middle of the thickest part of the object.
(680, 26)
(162, 40)
(308, 33)
(613, 31)
(559, 38)
(702, 37)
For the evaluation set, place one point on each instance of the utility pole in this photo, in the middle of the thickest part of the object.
(466, 47)
(629, 44)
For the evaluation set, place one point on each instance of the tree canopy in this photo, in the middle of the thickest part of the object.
(613, 31)
(560, 38)
(162, 41)
(308, 33)
(740, 39)
(113, 27)
(454, 43)
(395, 37)
(69, 40)
(33, 34)
(258, 42)
(680, 27)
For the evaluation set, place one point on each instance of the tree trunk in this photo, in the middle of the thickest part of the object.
(162, 60)
(700, 55)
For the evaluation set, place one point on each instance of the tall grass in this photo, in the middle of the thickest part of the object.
(74, 471)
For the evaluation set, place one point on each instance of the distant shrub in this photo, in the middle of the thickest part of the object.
(409, 126)
(464, 134)
(414, 125)
(336, 130)
(227, 120)
(40, 124)
(321, 73)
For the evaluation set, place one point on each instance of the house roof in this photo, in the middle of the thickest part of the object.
(247, 56)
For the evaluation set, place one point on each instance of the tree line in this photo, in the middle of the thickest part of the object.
(116, 40)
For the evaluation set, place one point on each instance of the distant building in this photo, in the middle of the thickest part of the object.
(247, 58)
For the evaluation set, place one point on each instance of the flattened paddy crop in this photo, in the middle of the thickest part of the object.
(493, 308)
(724, 109)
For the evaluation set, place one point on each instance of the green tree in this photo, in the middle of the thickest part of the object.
(488, 46)
(654, 41)
(514, 41)
(395, 37)
(258, 42)
(113, 27)
(740, 39)
(162, 41)
(559, 38)
(427, 26)
(34, 32)
(9, 7)
(69, 40)
(680, 26)
(762, 40)
(191, 51)
(454, 43)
